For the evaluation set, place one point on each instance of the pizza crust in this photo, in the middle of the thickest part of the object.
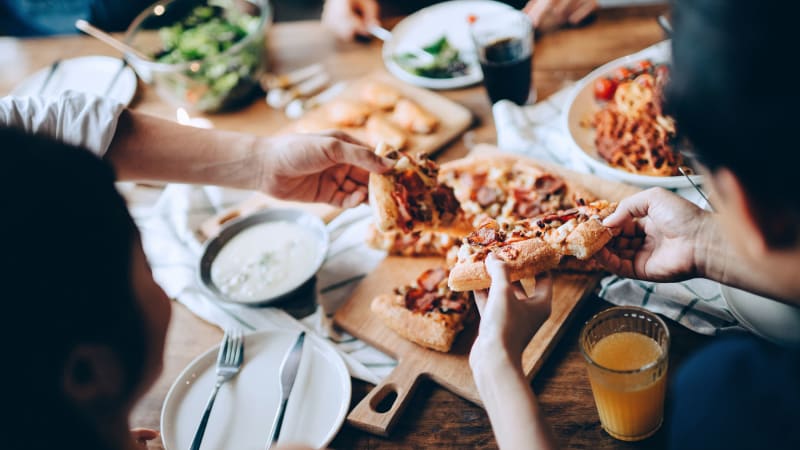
(434, 330)
(535, 256)
(587, 239)
(380, 199)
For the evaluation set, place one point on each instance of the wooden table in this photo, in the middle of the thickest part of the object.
(437, 418)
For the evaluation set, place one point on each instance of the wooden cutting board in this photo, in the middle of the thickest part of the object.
(454, 118)
(450, 370)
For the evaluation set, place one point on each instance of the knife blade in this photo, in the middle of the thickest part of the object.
(288, 374)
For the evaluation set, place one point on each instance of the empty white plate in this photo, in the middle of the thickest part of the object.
(772, 320)
(246, 405)
(100, 75)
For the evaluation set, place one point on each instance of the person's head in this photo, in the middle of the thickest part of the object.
(84, 320)
(736, 102)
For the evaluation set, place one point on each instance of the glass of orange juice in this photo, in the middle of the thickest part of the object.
(627, 350)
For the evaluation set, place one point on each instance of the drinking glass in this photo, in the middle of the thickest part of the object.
(626, 350)
(504, 42)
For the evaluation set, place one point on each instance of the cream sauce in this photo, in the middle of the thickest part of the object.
(265, 261)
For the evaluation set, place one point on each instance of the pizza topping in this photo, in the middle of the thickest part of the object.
(548, 184)
(456, 305)
(419, 300)
(431, 293)
(445, 200)
(487, 234)
(472, 181)
(430, 279)
(412, 182)
(506, 253)
(486, 195)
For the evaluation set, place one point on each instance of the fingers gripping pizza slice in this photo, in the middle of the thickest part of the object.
(426, 312)
(409, 197)
(531, 246)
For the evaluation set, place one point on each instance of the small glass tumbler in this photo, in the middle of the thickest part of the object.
(504, 42)
(627, 354)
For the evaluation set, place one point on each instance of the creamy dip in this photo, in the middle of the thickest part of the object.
(265, 261)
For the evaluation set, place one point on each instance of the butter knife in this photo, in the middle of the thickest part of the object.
(288, 374)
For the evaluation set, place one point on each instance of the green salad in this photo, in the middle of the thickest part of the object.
(447, 62)
(219, 78)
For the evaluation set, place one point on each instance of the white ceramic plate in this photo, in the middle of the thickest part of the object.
(772, 320)
(246, 405)
(582, 105)
(429, 24)
(90, 74)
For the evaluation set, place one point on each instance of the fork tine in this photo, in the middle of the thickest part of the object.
(237, 360)
(232, 348)
(223, 348)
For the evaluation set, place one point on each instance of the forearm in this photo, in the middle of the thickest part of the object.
(513, 411)
(153, 149)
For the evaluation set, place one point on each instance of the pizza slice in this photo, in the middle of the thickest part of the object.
(415, 243)
(531, 246)
(409, 197)
(425, 312)
(503, 188)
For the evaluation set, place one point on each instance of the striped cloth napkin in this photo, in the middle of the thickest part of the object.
(538, 131)
(168, 222)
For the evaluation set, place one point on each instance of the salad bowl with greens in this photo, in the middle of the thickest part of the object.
(205, 55)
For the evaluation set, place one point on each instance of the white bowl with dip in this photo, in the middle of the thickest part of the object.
(264, 257)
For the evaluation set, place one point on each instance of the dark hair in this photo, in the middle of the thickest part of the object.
(733, 94)
(67, 241)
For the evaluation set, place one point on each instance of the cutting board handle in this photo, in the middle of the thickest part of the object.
(379, 410)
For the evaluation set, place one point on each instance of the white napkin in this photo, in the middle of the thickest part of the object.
(168, 229)
(538, 131)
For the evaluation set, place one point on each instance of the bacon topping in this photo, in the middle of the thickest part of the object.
(419, 300)
(445, 200)
(453, 305)
(487, 234)
(486, 196)
(426, 297)
(430, 279)
(548, 184)
(473, 181)
(412, 182)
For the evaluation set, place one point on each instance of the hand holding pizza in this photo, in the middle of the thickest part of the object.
(660, 237)
(509, 318)
(328, 167)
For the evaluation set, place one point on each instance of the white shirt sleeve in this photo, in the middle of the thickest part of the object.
(74, 118)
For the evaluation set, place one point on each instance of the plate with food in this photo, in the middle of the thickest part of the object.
(246, 406)
(442, 31)
(378, 108)
(617, 124)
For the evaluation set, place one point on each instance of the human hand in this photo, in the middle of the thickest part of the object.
(348, 18)
(661, 237)
(509, 318)
(547, 14)
(142, 435)
(327, 167)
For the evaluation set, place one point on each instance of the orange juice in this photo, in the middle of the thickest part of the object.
(629, 396)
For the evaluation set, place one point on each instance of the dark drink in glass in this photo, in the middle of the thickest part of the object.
(507, 66)
(504, 42)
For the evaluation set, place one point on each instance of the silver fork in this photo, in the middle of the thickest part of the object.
(229, 361)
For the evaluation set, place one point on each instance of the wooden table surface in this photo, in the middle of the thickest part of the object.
(436, 418)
